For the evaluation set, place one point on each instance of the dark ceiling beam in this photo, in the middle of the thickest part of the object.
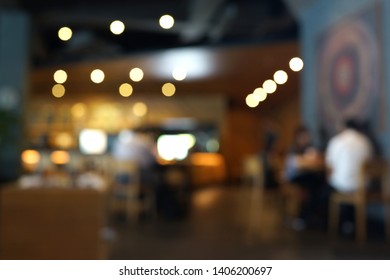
(201, 14)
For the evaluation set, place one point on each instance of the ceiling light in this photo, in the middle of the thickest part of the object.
(136, 74)
(260, 94)
(58, 90)
(251, 100)
(125, 90)
(65, 33)
(166, 21)
(280, 77)
(168, 89)
(296, 64)
(97, 76)
(60, 76)
(269, 86)
(179, 73)
(117, 27)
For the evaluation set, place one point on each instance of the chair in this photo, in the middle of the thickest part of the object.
(376, 169)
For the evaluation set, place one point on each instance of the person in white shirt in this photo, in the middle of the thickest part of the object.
(345, 155)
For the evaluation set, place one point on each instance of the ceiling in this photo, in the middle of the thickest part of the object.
(197, 23)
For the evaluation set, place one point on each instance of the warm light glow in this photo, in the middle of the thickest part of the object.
(269, 86)
(65, 33)
(280, 77)
(175, 147)
(251, 100)
(166, 21)
(296, 64)
(206, 159)
(140, 109)
(117, 27)
(93, 141)
(31, 157)
(97, 76)
(59, 157)
(125, 90)
(78, 110)
(60, 76)
(179, 73)
(58, 90)
(136, 74)
(260, 94)
(63, 140)
(168, 89)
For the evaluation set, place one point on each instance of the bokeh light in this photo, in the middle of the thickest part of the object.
(59, 157)
(251, 100)
(140, 109)
(60, 76)
(65, 33)
(166, 21)
(168, 89)
(280, 77)
(125, 90)
(58, 90)
(97, 76)
(260, 94)
(117, 27)
(269, 86)
(296, 64)
(136, 74)
(179, 73)
(78, 110)
(31, 157)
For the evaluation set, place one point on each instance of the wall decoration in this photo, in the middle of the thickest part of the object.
(349, 80)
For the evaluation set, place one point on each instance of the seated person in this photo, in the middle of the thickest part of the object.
(304, 167)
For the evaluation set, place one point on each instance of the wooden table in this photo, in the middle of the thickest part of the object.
(52, 223)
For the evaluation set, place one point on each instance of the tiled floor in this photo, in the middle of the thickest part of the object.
(223, 223)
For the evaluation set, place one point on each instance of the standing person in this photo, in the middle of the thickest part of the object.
(345, 155)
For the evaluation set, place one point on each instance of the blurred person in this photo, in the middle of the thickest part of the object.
(345, 155)
(270, 158)
(304, 168)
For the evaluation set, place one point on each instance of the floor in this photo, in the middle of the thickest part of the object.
(224, 223)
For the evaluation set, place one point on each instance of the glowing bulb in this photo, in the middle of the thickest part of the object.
(251, 100)
(280, 77)
(140, 109)
(59, 157)
(136, 74)
(179, 74)
(260, 94)
(168, 89)
(117, 27)
(125, 90)
(31, 157)
(58, 90)
(269, 86)
(97, 76)
(65, 33)
(296, 64)
(60, 76)
(166, 21)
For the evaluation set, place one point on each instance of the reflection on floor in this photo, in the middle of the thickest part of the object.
(223, 224)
